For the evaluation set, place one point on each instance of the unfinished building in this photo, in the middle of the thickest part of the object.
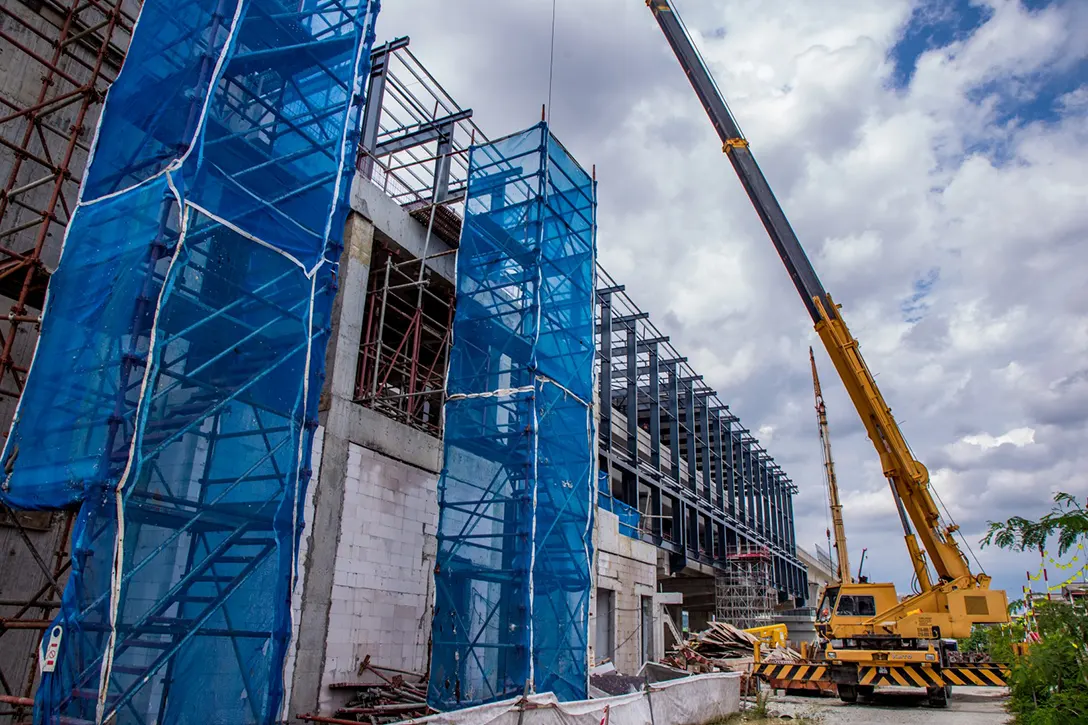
(685, 492)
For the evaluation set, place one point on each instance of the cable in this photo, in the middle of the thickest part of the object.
(981, 569)
(551, 68)
(710, 75)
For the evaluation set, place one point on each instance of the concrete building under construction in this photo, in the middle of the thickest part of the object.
(692, 514)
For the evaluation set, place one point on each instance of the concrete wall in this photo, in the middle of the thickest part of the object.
(368, 550)
(627, 567)
(382, 582)
(374, 596)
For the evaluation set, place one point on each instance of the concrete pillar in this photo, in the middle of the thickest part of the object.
(323, 532)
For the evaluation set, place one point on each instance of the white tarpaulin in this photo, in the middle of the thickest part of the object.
(695, 700)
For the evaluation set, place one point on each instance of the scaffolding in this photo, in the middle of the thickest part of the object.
(406, 339)
(415, 145)
(513, 572)
(173, 396)
(57, 58)
(61, 56)
(744, 593)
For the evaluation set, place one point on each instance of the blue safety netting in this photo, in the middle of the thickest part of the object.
(628, 515)
(517, 493)
(173, 396)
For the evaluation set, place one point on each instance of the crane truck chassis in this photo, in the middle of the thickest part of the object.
(868, 636)
(856, 673)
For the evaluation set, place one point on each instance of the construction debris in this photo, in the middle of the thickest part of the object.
(721, 640)
(393, 696)
(721, 647)
(613, 683)
(781, 655)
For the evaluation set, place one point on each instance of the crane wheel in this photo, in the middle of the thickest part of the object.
(938, 696)
(848, 693)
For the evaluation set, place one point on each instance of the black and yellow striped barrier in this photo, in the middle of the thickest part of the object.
(793, 672)
(978, 675)
(904, 675)
(917, 675)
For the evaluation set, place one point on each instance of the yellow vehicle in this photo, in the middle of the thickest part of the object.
(870, 636)
(772, 635)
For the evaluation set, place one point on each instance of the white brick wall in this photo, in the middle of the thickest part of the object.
(629, 568)
(381, 599)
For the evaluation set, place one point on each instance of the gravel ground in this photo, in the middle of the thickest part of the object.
(895, 705)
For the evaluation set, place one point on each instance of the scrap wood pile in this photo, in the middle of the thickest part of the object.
(708, 649)
(383, 695)
(723, 646)
(722, 640)
(781, 655)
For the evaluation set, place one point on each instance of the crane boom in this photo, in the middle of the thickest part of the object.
(841, 552)
(907, 477)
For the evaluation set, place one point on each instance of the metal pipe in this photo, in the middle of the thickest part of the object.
(381, 329)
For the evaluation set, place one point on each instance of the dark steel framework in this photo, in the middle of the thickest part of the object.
(703, 485)
(414, 148)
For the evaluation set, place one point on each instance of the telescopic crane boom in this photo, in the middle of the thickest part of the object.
(870, 636)
(908, 479)
(842, 556)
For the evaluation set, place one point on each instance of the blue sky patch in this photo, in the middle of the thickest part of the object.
(914, 308)
(934, 24)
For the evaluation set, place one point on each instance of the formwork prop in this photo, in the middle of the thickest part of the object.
(173, 396)
(513, 572)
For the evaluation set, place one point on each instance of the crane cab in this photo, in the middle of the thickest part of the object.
(843, 605)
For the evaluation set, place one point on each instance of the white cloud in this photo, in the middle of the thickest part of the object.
(1018, 437)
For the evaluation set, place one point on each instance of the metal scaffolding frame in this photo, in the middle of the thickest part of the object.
(406, 339)
(743, 589)
(74, 49)
(62, 56)
(513, 573)
(415, 142)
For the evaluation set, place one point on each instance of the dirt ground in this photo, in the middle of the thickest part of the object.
(894, 705)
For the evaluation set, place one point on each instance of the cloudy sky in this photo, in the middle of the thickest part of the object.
(932, 156)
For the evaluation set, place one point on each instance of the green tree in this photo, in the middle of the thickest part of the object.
(1067, 523)
(1048, 685)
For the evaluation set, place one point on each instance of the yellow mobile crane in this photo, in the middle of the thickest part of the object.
(841, 555)
(869, 636)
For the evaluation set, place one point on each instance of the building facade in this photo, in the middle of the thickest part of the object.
(687, 495)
